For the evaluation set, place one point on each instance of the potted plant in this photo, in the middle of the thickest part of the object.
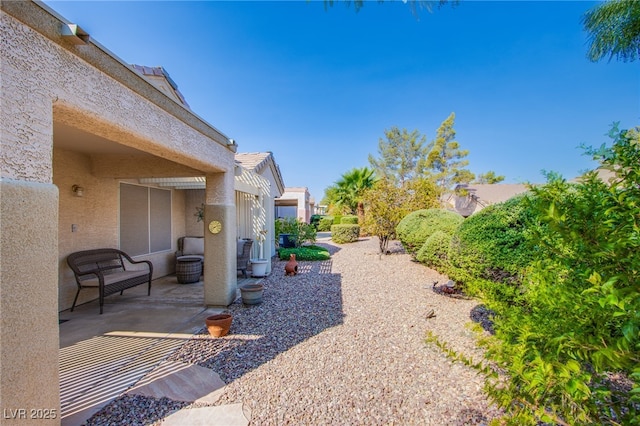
(199, 214)
(218, 325)
(251, 294)
(259, 265)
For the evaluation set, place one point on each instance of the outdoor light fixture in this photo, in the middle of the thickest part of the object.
(232, 145)
(78, 191)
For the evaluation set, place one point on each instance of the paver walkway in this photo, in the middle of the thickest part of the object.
(101, 356)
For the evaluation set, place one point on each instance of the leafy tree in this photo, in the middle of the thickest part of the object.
(445, 159)
(386, 205)
(330, 197)
(614, 30)
(571, 348)
(489, 177)
(401, 156)
(351, 187)
(414, 5)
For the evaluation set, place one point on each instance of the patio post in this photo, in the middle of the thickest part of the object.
(220, 279)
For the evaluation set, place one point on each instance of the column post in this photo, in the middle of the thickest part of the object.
(220, 247)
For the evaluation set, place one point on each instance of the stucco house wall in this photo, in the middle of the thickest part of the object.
(47, 79)
(193, 199)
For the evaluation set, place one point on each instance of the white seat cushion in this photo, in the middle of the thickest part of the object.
(193, 246)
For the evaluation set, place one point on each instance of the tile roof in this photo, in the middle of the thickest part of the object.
(255, 161)
(258, 161)
(479, 196)
(161, 73)
(495, 193)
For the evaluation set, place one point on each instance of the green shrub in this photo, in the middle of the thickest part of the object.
(416, 227)
(349, 220)
(300, 232)
(324, 225)
(574, 338)
(315, 219)
(345, 233)
(489, 251)
(305, 253)
(434, 252)
(337, 219)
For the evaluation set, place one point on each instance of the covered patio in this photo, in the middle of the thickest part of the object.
(102, 356)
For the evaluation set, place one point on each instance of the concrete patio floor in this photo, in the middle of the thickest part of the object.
(103, 356)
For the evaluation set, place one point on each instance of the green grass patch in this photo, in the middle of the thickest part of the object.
(305, 253)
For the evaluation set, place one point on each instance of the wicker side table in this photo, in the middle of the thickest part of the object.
(188, 269)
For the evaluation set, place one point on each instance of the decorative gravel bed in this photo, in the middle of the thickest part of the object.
(343, 342)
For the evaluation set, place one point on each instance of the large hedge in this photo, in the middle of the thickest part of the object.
(435, 251)
(349, 220)
(416, 227)
(305, 253)
(324, 224)
(489, 251)
(345, 233)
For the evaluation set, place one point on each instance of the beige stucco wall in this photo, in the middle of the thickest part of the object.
(45, 78)
(28, 294)
(96, 218)
(193, 198)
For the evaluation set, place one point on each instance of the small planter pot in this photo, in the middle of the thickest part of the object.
(219, 325)
(259, 267)
(252, 294)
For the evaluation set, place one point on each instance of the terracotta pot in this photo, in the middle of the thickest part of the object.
(291, 268)
(219, 325)
(252, 294)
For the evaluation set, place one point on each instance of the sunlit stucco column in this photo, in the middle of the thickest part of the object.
(220, 249)
(29, 337)
(29, 344)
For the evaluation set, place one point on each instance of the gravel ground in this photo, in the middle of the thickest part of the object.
(342, 342)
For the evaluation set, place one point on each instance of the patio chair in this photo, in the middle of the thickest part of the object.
(244, 254)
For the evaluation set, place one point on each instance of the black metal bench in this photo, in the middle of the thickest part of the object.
(106, 269)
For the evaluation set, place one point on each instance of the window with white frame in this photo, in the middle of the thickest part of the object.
(145, 219)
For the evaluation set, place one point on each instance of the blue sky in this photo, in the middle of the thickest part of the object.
(319, 86)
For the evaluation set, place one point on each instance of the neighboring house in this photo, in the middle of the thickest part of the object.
(320, 209)
(471, 198)
(83, 137)
(262, 164)
(295, 202)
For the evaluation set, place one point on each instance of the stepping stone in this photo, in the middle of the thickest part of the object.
(222, 415)
(181, 382)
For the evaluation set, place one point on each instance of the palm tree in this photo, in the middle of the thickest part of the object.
(351, 187)
(614, 30)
